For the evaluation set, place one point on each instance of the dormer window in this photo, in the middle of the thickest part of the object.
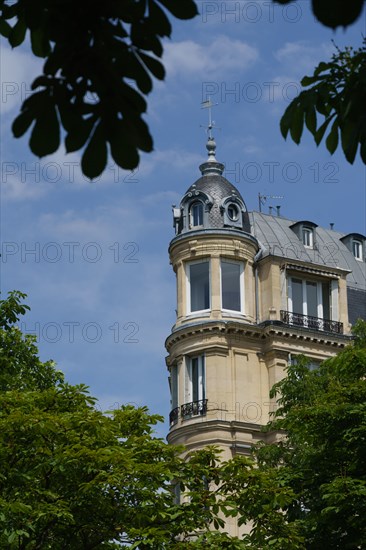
(357, 249)
(305, 232)
(196, 214)
(355, 242)
(233, 212)
(307, 237)
(232, 209)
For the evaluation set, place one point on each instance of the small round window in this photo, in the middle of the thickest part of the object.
(233, 212)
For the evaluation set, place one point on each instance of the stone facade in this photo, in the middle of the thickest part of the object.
(253, 291)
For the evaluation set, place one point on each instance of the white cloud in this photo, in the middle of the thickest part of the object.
(301, 57)
(220, 56)
(14, 189)
(18, 70)
(174, 159)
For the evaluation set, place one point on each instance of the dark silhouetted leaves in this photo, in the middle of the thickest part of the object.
(17, 33)
(338, 93)
(94, 158)
(89, 54)
(337, 13)
(334, 13)
(45, 137)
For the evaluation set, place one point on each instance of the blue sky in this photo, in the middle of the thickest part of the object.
(99, 282)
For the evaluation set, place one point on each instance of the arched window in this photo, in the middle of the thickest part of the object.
(196, 214)
(233, 212)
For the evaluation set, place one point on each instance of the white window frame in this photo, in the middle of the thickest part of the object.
(201, 388)
(320, 310)
(357, 249)
(308, 237)
(200, 203)
(188, 287)
(174, 387)
(241, 286)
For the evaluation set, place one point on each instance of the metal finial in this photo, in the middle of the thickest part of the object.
(211, 123)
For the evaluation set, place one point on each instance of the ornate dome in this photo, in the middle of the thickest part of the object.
(212, 202)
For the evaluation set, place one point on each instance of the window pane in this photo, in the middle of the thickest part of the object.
(312, 299)
(196, 214)
(326, 300)
(307, 237)
(357, 250)
(200, 286)
(174, 387)
(230, 285)
(297, 305)
(195, 379)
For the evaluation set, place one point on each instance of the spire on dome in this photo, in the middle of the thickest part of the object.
(211, 166)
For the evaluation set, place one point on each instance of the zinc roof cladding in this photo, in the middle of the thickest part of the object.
(218, 188)
(275, 235)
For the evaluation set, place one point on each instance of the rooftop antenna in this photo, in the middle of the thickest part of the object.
(211, 123)
(262, 199)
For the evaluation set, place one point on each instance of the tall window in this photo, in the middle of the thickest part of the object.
(173, 382)
(307, 237)
(357, 249)
(199, 286)
(232, 285)
(196, 214)
(196, 382)
(310, 298)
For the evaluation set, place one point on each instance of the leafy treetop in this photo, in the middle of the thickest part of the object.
(100, 59)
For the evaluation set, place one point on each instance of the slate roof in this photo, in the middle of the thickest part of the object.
(218, 188)
(275, 235)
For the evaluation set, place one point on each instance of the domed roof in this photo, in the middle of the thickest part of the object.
(223, 207)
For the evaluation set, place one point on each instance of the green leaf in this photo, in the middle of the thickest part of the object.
(123, 152)
(182, 9)
(78, 134)
(94, 158)
(39, 42)
(310, 119)
(154, 66)
(159, 20)
(349, 138)
(321, 130)
(17, 33)
(22, 123)
(286, 120)
(5, 28)
(45, 136)
(332, 139)
(336, 13)
(297, 124)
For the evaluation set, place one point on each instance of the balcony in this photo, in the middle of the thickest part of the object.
(173, 416)
(188, 410)
(314, 323)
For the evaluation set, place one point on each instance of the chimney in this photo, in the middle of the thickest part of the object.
(270, 208)
(331, 226)
(278, 208)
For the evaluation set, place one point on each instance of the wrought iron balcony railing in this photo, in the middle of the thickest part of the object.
(195, 408)
(173, 416)
(307, 321)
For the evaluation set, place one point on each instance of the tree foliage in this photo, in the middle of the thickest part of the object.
(100, 62)
(92, 52)
(334, 13)
(74, 477)
(337, 92)
(322, 459)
